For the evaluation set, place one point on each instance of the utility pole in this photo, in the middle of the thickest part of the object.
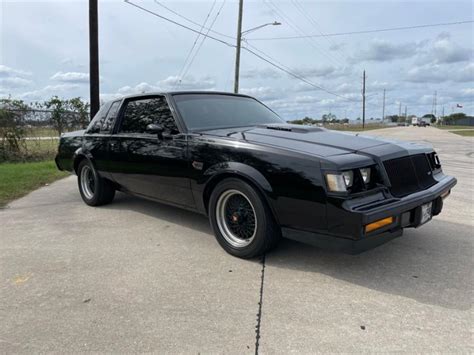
(400, 109)
(94, 57)
(405, 113)
(383, 107)
(435, 102)
(237, 52)
(363, 101)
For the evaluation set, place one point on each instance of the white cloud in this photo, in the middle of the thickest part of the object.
(436, 73)
(14, 83)
(263, 73)
(168, 84)
(380, 85)
(51, 90)
(7, 72)
(345, 88)
(467, 93)
(11, 79)
(379, 50)
(187, 83)
(446, 51)
(140, 88)
(322, 71)
(71, 77)
(261, 93)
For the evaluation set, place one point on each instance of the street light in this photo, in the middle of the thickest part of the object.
(239, 42)
(274, 23)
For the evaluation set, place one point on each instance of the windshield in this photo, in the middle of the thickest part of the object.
(212, 111)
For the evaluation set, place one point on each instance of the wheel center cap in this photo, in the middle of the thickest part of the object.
(235, 217)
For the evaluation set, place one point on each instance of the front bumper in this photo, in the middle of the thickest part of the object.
(349, 235)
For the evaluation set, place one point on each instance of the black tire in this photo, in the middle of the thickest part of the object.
(265, 233)
(101, 192)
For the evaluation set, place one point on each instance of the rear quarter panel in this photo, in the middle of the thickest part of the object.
(69, 143)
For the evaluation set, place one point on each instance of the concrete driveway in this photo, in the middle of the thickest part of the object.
(138, 276)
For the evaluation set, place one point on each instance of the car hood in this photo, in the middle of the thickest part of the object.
(317, 141)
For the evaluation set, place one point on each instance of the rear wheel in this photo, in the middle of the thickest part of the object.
(95, 190)
(242, 222)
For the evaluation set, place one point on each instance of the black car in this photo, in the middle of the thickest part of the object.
(257, 178)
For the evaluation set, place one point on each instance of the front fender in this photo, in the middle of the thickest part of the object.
(240, 169)
(219, 171)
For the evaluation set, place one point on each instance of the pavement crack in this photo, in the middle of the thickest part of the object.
(260, 305)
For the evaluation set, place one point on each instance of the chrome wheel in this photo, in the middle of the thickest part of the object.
(88, 182)
(236, 218)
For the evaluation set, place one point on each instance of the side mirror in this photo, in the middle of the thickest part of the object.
(153, 128)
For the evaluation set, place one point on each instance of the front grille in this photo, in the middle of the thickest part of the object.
(409, 174)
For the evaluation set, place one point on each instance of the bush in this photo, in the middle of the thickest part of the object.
(12, 128)
(24, 127)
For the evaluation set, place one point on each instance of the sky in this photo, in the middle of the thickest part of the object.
(44, 52)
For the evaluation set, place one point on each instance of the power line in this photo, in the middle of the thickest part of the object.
(365, 31)
(276, 10)
(280, 67)
(307, 14)
(191, 21)
(178, 24)
(296, 75)
(180, 75)
(203, 39)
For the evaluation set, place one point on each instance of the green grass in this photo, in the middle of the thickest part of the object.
(18, 179)
(42, 146)
(41, 132)
(465, 133)
(455, 127)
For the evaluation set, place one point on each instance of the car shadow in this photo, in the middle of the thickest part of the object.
(428, 265)
(154, 209)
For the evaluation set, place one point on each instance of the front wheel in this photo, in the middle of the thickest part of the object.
(95, 191)
(242, 221)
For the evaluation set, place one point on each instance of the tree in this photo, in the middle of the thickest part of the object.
(12, 127)
(330, 117)
(58, 109)
(392, 118)
(452, 118)
(81, 109)
(67, 114)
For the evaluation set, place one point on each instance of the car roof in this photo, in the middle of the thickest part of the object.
(171, 93)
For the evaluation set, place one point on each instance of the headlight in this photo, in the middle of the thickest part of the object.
(340, 182)
(365, 173)
(348, 177)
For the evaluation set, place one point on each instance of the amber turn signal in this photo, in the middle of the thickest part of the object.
(378, 224)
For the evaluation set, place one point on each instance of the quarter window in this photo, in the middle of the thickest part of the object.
(138, 114)
(98, 120)
(108, 123)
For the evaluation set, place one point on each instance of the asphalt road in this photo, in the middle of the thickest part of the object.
(138, 276)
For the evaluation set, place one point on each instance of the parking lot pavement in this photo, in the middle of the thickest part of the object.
(139, 276)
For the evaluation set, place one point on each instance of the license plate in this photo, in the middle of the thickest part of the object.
(426, 212)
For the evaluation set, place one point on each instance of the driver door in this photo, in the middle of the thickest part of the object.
(144, 163)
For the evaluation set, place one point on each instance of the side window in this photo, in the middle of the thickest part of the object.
(140, 113)
(108, 123)
(98, 120)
